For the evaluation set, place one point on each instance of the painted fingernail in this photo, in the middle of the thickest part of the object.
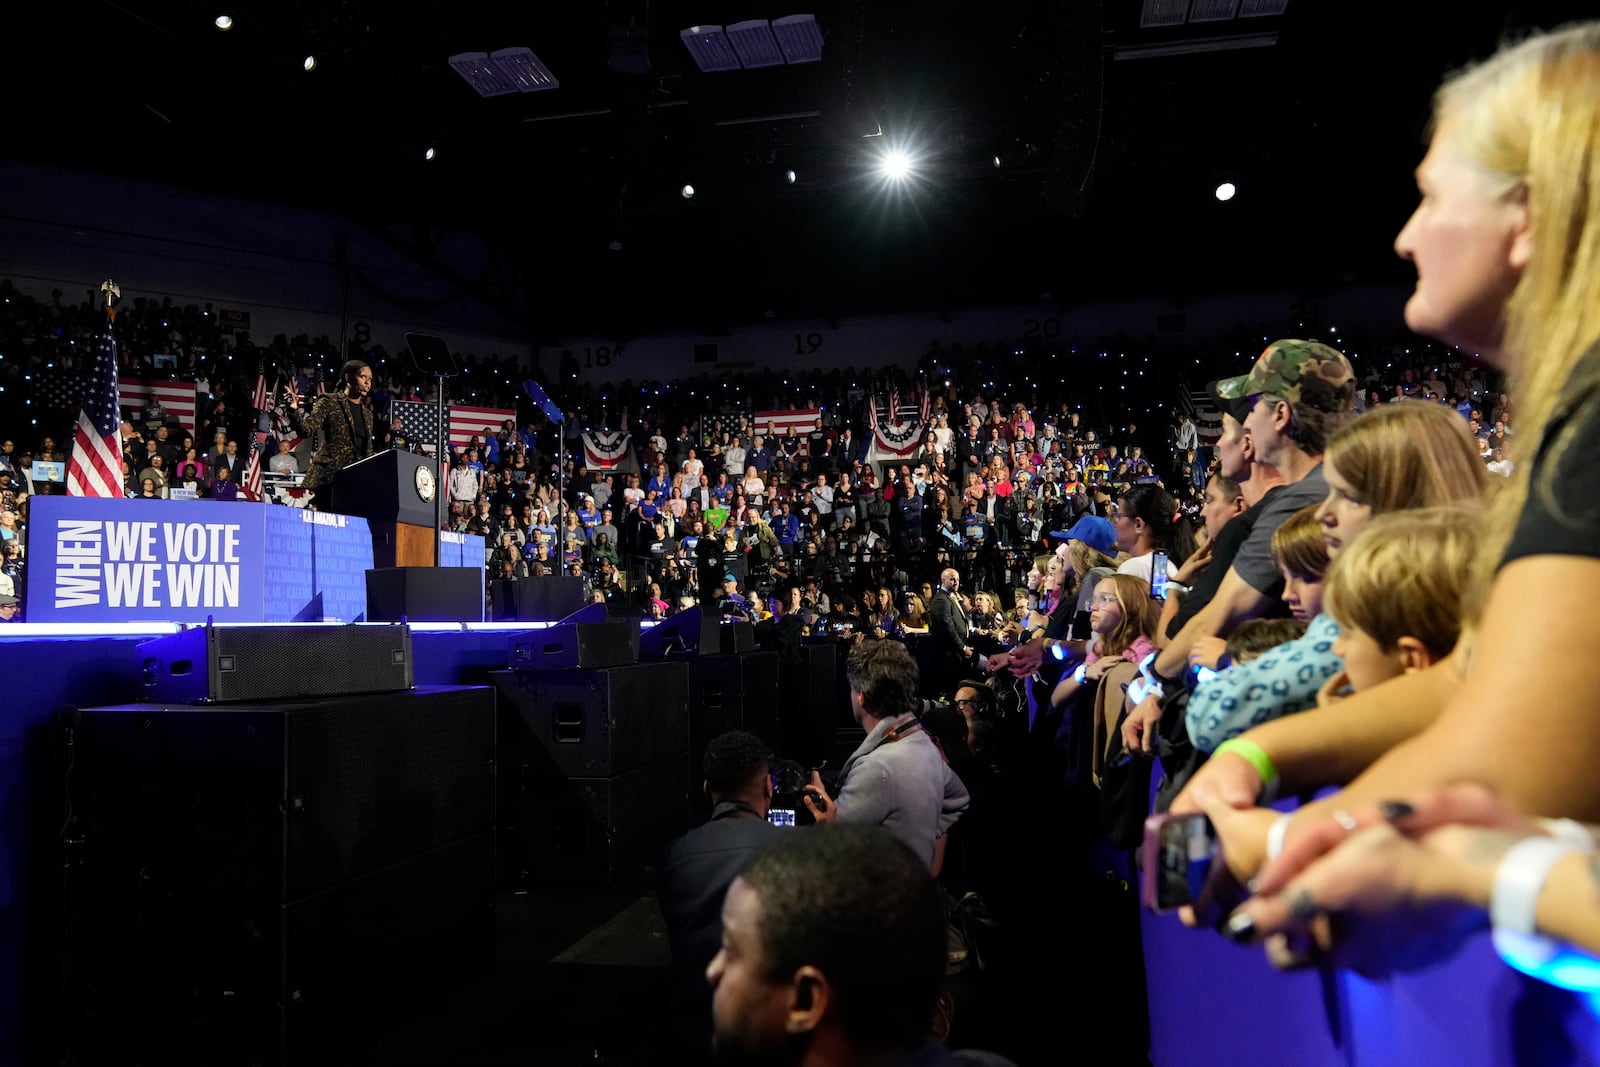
(1253, 886)
(1241, 927)
(1395, 810)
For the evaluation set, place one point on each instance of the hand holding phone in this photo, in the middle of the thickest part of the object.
(1183, 865)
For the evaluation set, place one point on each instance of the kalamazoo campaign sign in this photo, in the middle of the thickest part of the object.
(94, 560)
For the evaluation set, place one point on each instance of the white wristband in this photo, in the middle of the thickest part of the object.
(1276, 833)
(1520, 877)
(1569, 830)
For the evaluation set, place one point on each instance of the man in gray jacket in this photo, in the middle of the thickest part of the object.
(897, 778)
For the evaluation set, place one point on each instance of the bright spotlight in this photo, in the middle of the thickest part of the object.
(997, 162)
(788, 176)
(688, 192)
(896, 165)
(224, 22)
(428, 154)
(1225, 191)
(310, 63)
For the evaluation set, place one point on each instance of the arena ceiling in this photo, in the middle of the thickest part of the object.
(1110, 136)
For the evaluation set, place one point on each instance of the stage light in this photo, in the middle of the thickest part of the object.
(428, 154)
(997, 162)
(896, 165)
(788, 176)
(310, 63)
(224, 22)
(688, 192)
(1226, 191)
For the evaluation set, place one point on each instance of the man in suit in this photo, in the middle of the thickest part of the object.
(947, 621)
(345, 420)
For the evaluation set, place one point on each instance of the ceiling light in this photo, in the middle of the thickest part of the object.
(788, 177)
(1163, 13)
(754, 44)
(799, 38)
(224, 22)
(710, 48)
(1213, 10)
(509, 70)
(482, 74)
(310, 63)
(428, 154)
(896, 165)
(688, 192)
(997, 162)
(1226, 191)
(526, 71)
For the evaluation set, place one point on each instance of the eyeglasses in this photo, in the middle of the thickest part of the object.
(1104, 598)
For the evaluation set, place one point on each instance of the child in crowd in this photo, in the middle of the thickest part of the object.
(1123, 619)
(1255, 637)
(1397, 594)
(1281, 682)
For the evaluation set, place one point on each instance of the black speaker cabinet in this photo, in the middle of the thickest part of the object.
(806, 705)
(228, 663)
(242, 884)
(548, 598)
(732, 693)
(425, 594)
(576, 644)
(556, 830)
(729, 693)
(597, 723)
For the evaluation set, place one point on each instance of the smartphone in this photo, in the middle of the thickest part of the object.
(781, 816)
(1081, 628)
(1179, 853)
(1158, 575)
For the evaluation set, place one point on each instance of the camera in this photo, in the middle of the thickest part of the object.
(790, 787)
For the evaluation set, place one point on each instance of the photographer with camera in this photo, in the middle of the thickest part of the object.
(897, 778)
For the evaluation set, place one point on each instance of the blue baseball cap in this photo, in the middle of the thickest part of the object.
(1095, 532)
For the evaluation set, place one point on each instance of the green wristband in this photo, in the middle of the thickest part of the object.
(1257, 757)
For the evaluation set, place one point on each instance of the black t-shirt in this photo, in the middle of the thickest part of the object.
(1234, 533)
(1564, 519)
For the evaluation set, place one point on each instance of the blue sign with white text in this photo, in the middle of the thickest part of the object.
(112, 560)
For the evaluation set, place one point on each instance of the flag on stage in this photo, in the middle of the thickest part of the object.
(468, 421)
(95, 468)
(417, 421)
(252, 471)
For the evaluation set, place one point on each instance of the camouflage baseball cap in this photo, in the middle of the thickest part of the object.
(1301, 372)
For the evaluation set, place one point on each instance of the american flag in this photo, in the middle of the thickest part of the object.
(95, 468)
(468, 421)
(252, 470)
(258, 398)
(775, 425)
(417, 421)
(176, 397)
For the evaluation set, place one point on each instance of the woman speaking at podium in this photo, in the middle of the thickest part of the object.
(345, 420)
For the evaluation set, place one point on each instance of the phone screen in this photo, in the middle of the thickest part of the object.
(1158, 575)
(1179, 851)
(781, 816)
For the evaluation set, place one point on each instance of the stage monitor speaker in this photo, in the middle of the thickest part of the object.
(244, 884)
(232, 663)
(425, 594)
(587, 638)
(556, 830)
(596, 723)
(693, 631)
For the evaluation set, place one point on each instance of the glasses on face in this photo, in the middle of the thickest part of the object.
(1104, 598)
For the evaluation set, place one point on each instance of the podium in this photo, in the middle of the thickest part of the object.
(394, 491)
